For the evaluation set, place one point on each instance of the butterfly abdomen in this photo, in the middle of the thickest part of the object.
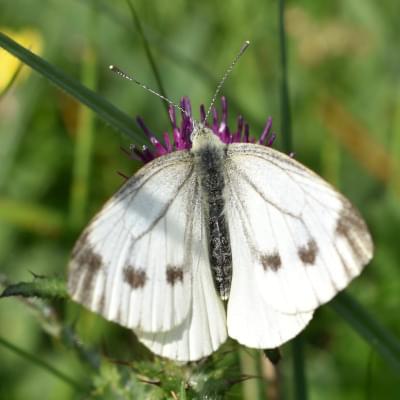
(209, 163)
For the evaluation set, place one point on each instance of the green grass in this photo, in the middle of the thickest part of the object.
(60, 133)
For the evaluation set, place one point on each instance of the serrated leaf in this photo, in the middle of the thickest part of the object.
(40, 287)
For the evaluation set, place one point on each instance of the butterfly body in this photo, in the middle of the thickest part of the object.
(239, 222)
(209, 155)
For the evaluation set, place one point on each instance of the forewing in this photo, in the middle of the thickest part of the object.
(306, 240)
(131, 264)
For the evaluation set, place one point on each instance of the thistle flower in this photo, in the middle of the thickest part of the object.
(181, 134)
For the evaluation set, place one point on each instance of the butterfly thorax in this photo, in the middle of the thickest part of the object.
(209, 154)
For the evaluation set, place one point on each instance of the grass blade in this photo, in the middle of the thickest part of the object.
(368, 328)
(286, 119)
(104, 109)
(83, 146)
(148, 53)
(299, 375)
(35, 360)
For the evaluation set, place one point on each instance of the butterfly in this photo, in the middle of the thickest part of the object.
(221, 239)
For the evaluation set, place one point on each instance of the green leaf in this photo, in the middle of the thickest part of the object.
(70, 339)
(104, 109)
(369, 328)
(40, 287)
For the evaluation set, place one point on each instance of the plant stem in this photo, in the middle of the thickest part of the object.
(35, 360)
(369, 328)
(286, 119)
(299, 372)
(148, 53)
(299, 377)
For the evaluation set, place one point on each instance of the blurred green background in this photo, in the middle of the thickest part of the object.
(59, 161)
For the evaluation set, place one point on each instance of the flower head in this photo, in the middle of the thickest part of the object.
(181, 134)
(9, 64)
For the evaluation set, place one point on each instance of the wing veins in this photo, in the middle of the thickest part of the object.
(300, 168)
(323, 205)
(308, 195)
(115, 277)
(239, 203)
(277, 246)
(290, 173)
(203, 239)
(300, 185)
(335, 247)
(250, 243)
(189, 231)
(294, 243)
(166, 208)
(248, 180)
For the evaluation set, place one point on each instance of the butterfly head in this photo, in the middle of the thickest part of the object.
(202, 136)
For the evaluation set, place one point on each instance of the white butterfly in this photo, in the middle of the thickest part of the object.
(220, 240)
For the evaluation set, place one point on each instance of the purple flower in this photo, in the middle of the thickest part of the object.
(181, 134)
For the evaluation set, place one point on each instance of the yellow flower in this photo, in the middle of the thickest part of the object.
(29, 38)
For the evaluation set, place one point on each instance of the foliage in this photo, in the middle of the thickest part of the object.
(58, 163)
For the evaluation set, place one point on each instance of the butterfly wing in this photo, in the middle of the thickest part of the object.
(252, 321)
(204, 328)
(139, 262)
(296, 237)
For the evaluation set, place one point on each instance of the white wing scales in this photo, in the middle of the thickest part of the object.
(204, 328)
(143, 262)
(307, 242)
(251, 320)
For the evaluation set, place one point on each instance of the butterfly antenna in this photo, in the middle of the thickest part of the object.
(227, 73)
(124, 75)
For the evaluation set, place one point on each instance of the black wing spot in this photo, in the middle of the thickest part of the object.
(350, 225)
(134, 277)
(271, 261)
(308, 253)
(86, 265)
(88, 258)
(85, 256)
(174, 274)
